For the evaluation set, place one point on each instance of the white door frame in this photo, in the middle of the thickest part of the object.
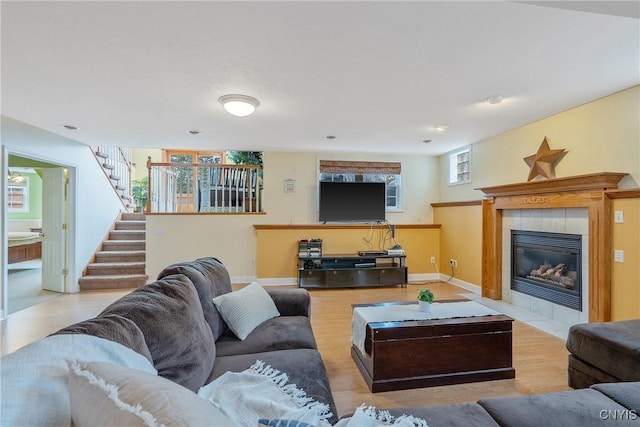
(70, 256)
(4, 292)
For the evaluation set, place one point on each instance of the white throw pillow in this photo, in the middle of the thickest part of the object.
(246, 308)
(104, 394)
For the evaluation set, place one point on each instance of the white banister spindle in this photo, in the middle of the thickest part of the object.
(204, 188)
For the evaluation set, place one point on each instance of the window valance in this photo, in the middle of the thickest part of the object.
(359, 167)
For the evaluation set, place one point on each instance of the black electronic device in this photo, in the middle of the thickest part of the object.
(352, 201)
(366, 253)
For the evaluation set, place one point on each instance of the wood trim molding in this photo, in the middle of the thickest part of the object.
(336, 226)
(628, 193)
(585, 191)
(456, 204)
(596, 181)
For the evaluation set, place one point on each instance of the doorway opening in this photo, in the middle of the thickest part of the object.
(36, 214)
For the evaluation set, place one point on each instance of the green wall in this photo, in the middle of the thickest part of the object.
(35, 199)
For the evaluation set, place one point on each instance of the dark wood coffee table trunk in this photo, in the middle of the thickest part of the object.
(425, 353)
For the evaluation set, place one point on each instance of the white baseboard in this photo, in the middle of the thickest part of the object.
(238, 280)
(280, 281)
(424, 277)
(461, 283)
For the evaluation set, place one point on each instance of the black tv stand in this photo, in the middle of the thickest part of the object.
(351, 271)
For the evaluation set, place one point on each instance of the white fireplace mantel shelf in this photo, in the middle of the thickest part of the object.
(583, 191)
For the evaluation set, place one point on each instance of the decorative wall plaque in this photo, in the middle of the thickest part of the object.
(543, 163)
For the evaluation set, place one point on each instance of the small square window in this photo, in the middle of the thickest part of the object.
(460, 166)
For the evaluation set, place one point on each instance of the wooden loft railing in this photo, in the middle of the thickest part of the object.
(204, 188)
(116, 164)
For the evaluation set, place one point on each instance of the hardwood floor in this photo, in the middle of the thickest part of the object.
(540, 359)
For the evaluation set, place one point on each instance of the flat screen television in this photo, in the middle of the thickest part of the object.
(352, 201)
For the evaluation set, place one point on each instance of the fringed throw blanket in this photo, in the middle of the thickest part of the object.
(262, 392)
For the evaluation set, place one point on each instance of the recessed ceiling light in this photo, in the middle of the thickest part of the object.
(495, 99)
(426, 141)
(441, 128)
(194, 132)
(70, 127)
(331, 137)
(239, 105)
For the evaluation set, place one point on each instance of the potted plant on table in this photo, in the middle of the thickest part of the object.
(425, 299)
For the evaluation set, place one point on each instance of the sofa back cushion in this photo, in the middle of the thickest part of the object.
(211, 279)
(113, 328)
(169, 314)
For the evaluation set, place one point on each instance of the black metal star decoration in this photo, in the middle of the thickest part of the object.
(543, 163)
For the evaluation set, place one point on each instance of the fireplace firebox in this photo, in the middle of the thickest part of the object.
(547, 266)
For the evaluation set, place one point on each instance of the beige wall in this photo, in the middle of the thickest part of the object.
(602, 136)
(173, 238)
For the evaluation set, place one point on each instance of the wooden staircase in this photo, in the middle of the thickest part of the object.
(120, 263)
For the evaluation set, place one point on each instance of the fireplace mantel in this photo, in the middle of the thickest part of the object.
(583, 191)
(596, 181)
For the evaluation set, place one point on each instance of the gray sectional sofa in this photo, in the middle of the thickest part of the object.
(174, 325)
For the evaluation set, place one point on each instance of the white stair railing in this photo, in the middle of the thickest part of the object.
(204, 188)
(116, 163)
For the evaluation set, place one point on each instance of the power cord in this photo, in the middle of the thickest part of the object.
(453, 273)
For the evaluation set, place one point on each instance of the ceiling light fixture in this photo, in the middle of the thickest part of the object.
(239, 105)
(441, 128)
(495, 99)
(16, 178)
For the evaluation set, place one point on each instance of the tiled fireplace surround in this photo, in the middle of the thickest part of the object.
(561, 220)
(575, 205)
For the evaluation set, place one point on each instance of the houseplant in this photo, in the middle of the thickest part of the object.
(140, 193)
(425, 298)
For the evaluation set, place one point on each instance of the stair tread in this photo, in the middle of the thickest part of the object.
(114, 253)
(113, 277)
(117, 263)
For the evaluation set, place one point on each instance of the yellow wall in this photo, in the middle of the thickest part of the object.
(461, 240)
(278, 248)
(601, 136)
(625, 292)
(140, 157)
(174, 238)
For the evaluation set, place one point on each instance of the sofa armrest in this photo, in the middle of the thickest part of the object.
(291, 302)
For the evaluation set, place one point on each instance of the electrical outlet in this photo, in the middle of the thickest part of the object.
(618, 255)
(433, 260)
(619, 217)
(453, 262)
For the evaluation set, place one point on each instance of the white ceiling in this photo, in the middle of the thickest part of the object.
(377, 75)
